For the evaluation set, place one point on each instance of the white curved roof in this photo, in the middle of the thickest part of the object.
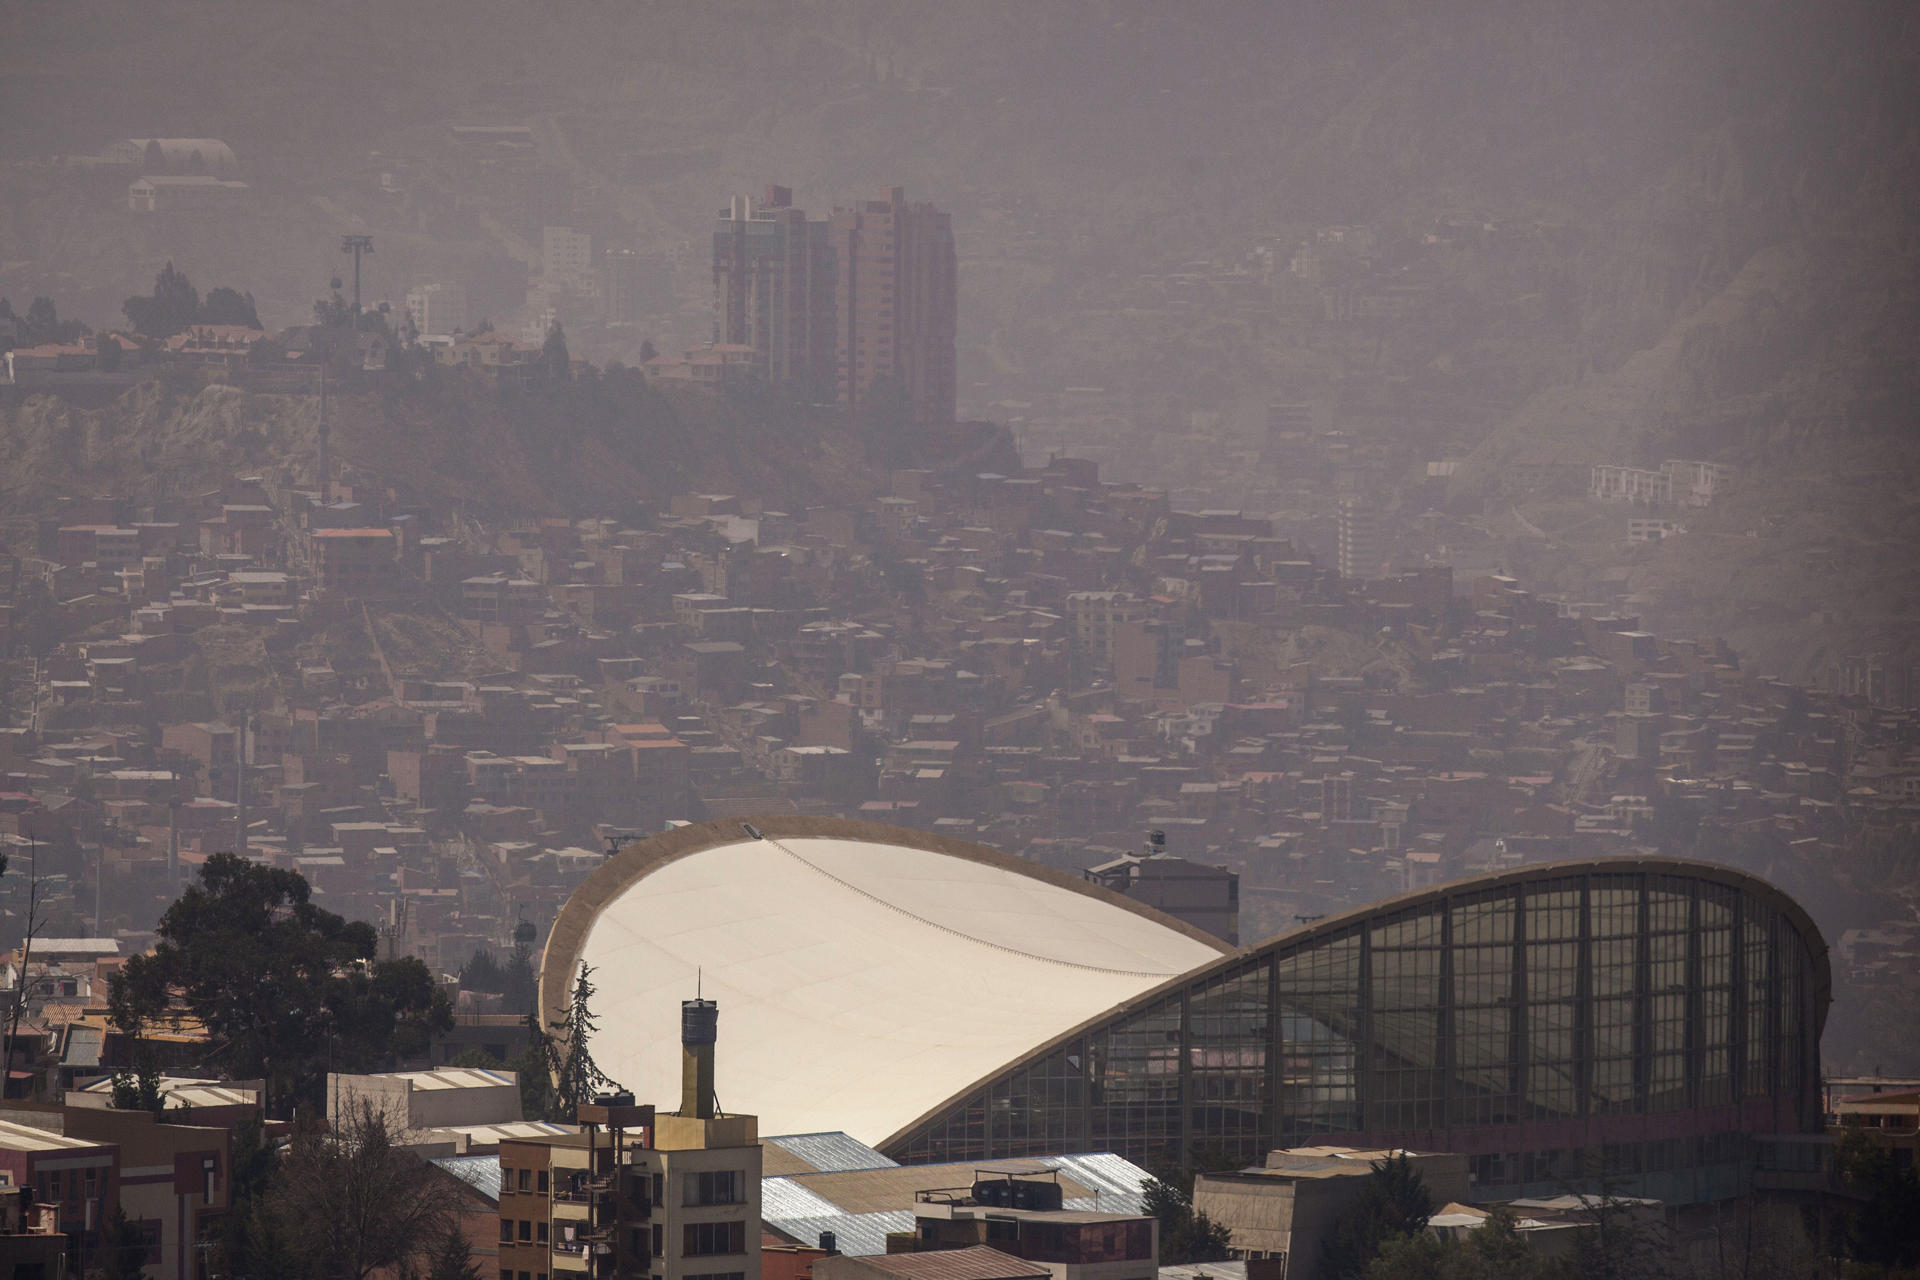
(860, 983)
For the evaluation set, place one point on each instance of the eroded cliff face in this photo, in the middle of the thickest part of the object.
(605, 444)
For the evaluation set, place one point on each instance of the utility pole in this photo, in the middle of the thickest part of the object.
(357, 246)
(326, 468)
(240, 783)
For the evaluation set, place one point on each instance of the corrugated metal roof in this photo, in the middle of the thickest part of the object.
(1116, 1178)
(832, 1152)
(784, 1198)
(858, 1235)
(976, 1262)
(804, 1205)
(1205, 1271)
(83, 1046)
(482, 1173)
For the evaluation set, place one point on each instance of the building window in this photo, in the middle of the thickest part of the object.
(526, 1179)
(722, 1186)
(708, 1239)
(540, 1182)
(659, 1240)
(540, 1232)
(526, 1229)
(506, 1230)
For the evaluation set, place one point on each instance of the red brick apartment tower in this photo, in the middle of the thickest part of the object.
(897, 302)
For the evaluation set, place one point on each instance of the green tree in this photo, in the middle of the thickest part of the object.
(539, 1067)
(173, 305)
(349, 1202)
(453, 1260)
(229, 306)
(1492, 1251)
(580, 1079)
(1186, 1234)
(519, 985)
(123, 1250)
(1393, 1204)
(1884, 1231)
(245, 1233)
(109, 352)
(42, 323)
(138, 1089)
(283, 986)
(153, 159)
(553, 355)
(483, 973)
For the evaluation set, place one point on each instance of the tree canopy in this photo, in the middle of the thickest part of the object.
(284, 987)
(1186, 1235)
(175, 305)
(1394, 1204)
(553, 355)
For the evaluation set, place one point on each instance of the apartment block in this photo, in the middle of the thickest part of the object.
(897, 303)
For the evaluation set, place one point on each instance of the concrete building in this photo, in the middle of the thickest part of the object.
(415, 1101)
(176, 1180)
(1203, 896)
(673, 1196)
(437, 308)
(78, 1177)
(1023, 1216)
(972, 1262)
(1285, 1210)
(359, 562)
(1097, 616)
(896, 304)
(633, 285)
(773, 288)
(1362, 552)
(566, 260)
(184, 193)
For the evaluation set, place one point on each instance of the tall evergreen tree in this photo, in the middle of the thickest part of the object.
(553, 356)
(453, 1260)
(580, 1078)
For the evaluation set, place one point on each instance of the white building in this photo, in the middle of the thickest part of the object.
(437, 308)
(566, 260)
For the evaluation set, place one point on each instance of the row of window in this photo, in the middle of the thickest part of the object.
(1587, 996)
(698, 1239)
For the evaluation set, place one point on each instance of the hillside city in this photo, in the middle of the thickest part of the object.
(316, 752)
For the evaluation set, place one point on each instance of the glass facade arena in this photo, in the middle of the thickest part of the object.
(1631, 1020)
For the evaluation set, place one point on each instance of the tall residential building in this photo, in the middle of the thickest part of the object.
(632, 284)
(773, 287)
(566, 260)
(896, 303)
(1363, 545)
(437, 308)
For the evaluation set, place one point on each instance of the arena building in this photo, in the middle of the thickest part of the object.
(1645, 1020)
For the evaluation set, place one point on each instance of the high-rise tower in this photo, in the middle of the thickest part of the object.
(896, 302)
(773, 288)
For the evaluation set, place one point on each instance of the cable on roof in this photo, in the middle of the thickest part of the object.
(948, 929)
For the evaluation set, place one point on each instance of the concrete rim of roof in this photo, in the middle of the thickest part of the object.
(1820, 986)
(560, 960)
